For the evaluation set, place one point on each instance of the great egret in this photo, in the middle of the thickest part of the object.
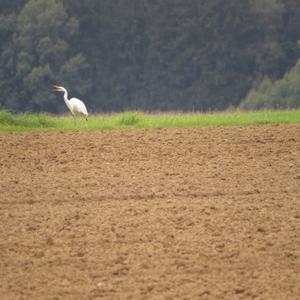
(76, 106)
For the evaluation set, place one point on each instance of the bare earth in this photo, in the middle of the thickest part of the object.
(151, 214)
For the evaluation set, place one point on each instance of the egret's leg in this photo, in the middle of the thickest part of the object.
(74, 118)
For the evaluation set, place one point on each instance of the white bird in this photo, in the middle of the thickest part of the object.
(76, 106)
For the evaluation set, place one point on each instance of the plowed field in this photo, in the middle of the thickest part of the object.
(210, 213)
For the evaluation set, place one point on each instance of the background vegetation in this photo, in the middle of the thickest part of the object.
(150, 55)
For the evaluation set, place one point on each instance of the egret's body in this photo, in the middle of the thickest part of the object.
(76, 106)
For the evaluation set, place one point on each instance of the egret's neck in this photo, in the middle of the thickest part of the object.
(66, 96)
(67, 101)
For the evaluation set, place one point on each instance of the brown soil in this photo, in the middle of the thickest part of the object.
(151, 214)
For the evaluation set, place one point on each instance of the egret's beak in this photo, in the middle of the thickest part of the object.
(56, 88)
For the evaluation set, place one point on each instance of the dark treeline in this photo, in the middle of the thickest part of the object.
(143, 54)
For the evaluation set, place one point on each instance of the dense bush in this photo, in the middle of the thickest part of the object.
(280, 94)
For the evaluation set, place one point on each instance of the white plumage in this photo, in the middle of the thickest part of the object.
(76, 106)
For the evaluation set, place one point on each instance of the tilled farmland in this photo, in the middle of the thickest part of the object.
(211, 213)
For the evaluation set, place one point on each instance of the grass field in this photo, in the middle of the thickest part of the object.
(42, 122)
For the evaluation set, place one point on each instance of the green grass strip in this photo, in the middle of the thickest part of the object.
(44, 122)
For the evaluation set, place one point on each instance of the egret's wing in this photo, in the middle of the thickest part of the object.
(79, 106)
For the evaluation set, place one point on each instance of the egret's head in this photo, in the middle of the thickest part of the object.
(57, 88)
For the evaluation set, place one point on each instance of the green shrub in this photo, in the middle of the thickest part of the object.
(7, 118)
(280, 94)
(130, 118)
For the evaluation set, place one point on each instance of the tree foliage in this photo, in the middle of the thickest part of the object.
(283, 93)
(145, 54)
